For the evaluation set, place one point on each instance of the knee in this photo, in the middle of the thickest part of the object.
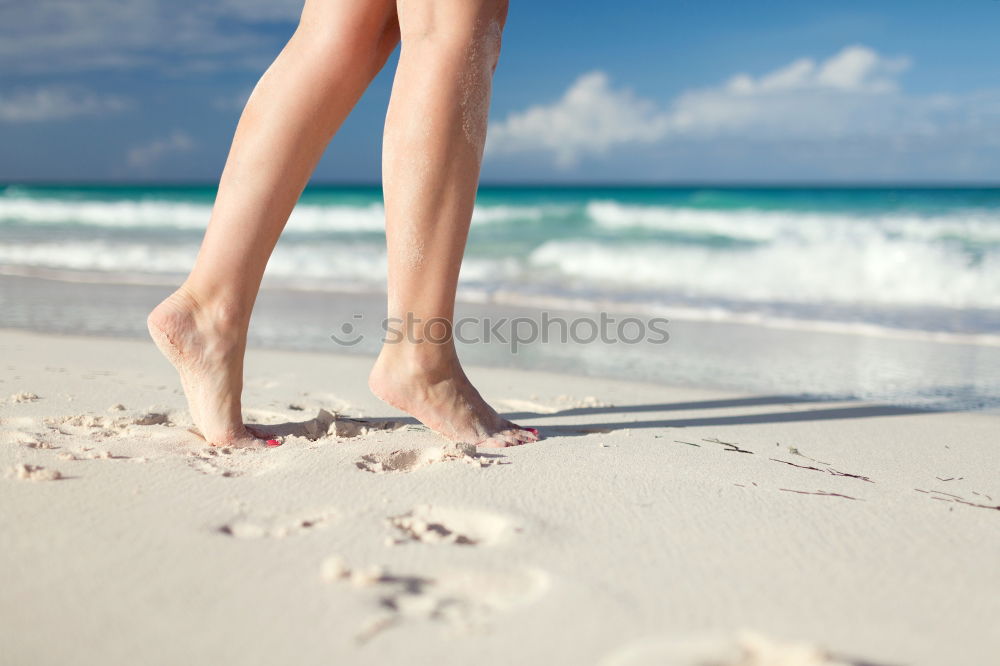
(471, 30)
(338, 32)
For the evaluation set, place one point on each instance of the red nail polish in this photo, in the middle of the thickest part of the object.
(273, 442)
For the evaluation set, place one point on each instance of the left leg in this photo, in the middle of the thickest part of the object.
(295, 109)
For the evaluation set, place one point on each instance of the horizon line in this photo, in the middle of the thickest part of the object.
(669, 184)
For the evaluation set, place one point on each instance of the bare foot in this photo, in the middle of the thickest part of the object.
(444, 400)
(206, 347)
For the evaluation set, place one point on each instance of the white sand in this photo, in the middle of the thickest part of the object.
(652, 526)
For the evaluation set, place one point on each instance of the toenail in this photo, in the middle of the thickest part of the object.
(273, 442)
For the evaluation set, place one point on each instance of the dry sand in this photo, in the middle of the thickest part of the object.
(652, 526)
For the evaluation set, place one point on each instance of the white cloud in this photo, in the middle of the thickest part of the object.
(56, 103)
(854, 69)
(855, 93)
(590, 117)
(146, 154)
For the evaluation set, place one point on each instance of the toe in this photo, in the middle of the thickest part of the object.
(515, 437)
(523, 435)
(498, 441)
(258, 437)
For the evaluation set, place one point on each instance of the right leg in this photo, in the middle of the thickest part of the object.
(434, 134)
(294, 111)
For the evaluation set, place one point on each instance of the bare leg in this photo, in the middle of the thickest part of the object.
(434, 135)
(294, 111)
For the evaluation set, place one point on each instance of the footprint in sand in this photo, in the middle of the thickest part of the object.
(464, 527)
(233, 462)
(412, 459)
(463, 598)
(325, 424)
(94, 425)
(266, 526)
(45, 433)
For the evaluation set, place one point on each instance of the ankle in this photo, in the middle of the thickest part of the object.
(225, 314)
(427, 361)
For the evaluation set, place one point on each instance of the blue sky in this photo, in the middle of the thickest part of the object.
(649, 91)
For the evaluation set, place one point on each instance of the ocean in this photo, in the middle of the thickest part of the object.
(898, 264)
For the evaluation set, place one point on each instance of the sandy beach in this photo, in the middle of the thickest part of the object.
(653, 525)
(736, 268)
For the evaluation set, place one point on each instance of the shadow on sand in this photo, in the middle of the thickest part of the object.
(785, 416)
(351, 427)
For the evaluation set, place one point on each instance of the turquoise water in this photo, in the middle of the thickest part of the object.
(913, 259)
